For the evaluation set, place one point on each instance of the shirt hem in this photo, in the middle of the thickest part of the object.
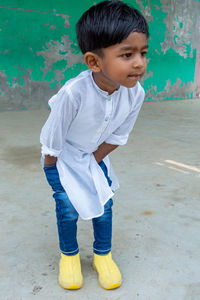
(99, 215)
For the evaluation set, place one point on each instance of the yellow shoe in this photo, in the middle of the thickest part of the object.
(70, 276)
(109, 274)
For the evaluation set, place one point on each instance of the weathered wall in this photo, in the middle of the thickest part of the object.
(39, 51)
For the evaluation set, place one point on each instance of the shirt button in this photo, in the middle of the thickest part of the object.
(109, 98)
(106, 119)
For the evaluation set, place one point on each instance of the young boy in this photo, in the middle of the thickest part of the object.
(91, 116)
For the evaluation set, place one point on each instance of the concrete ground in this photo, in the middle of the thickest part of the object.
(156, 232)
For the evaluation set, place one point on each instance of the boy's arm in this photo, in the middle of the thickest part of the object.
(103, 150)
(63, 112)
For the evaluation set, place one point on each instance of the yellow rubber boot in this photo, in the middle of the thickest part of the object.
(109, 276)
(70, 276)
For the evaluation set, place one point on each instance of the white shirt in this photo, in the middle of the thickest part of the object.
(82, 117)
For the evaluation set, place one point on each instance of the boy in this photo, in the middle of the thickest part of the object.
(90, 116)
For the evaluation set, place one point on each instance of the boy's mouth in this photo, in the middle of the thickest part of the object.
(135, 76)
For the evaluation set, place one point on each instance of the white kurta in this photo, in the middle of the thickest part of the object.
(82, 117)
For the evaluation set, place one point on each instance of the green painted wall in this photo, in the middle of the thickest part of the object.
(39, 51)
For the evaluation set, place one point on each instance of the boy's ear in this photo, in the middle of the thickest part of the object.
(92, 60)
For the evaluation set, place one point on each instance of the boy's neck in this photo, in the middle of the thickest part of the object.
(103, 83)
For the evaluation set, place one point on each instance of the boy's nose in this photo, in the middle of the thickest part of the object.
(138, 62)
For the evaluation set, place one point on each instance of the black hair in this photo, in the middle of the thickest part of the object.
(108, 23)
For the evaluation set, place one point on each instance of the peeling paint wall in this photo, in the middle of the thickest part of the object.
(174, 61)
(39, 51)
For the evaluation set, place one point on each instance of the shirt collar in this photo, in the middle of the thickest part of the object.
(102, 92)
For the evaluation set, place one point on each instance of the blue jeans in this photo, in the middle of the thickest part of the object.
(67, 217)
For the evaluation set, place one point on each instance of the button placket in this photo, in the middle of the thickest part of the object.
(108, 111)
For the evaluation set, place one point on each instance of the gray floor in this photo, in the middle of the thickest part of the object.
(156, 234)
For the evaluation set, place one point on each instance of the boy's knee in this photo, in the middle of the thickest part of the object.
(65, 209)
(107, 213)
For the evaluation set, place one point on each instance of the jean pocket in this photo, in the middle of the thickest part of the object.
(51, 166)
(53, 178)
(105, 170)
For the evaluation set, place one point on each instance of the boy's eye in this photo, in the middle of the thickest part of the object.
(144, 53)
(127, 55)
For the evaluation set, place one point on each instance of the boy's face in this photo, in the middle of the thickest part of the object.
(123, 63)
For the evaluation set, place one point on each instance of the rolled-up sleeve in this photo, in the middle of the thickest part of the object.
(54, 131)
(121, 134)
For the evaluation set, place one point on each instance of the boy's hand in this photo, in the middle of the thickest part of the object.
(103, 150)
(49, 160)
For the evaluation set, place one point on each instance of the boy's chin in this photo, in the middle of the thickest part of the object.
(131, 85)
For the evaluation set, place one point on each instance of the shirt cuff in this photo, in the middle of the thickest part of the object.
(117, 139)
(48, 151)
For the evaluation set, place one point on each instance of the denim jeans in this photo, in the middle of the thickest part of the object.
(67, 217)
